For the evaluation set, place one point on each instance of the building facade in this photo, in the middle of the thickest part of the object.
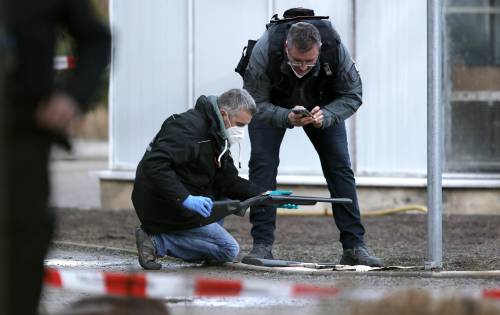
(167, 53)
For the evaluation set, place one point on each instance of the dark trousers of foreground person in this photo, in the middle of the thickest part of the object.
(29, 221)
(331, 146)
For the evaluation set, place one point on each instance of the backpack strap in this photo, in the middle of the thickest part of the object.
(245, 57)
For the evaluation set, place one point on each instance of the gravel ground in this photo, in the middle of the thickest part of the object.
(471, 242)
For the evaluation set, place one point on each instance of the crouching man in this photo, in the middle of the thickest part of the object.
(187, 166)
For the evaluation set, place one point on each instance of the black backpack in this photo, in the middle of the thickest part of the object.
(278, 29)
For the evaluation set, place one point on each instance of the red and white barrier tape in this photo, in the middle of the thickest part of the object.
(156, 285)
(493, 294)
(64, 62)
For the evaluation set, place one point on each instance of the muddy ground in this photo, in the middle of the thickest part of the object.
(471, 242)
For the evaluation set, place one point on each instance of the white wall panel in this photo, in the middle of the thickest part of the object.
(149, 77)
(152, 73)
(221, 30)
(391, 55)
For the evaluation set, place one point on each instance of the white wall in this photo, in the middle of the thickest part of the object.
(149, 73)
(168, 52)
(392, 59)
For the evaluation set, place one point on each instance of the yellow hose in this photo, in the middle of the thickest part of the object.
(374, 213)
(381, 212)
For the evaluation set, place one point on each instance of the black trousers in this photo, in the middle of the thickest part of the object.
(332, 149)
(29, 220)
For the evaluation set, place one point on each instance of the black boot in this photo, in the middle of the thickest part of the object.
(360, 255)
(259, 251)
(146, 251)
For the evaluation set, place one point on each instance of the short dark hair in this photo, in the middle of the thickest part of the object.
(303, 36)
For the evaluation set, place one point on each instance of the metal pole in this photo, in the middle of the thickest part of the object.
(434, 134)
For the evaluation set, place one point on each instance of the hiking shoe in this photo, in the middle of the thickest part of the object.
(146, 251)
(259, 251)
(360, 255)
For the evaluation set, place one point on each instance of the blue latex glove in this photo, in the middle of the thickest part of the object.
(199, 204)
(279, 192)
(288, 206)
(283, 193)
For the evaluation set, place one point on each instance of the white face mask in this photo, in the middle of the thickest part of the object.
(235, 134)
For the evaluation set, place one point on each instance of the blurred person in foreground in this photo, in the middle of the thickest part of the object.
(38, 113)
(185, 168)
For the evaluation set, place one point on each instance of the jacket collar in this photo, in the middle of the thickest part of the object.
(214, 101)
(209, 108)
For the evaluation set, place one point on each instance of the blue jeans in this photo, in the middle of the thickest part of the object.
(331, 146)
(210, 242)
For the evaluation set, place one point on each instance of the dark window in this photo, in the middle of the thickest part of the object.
(473, 72)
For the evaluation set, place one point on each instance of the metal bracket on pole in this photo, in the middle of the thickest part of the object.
(435, 21)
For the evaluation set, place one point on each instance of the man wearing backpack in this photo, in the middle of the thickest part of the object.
(300, 65)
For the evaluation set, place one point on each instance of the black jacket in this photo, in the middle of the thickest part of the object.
(182, 161)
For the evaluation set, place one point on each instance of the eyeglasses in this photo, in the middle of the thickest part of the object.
(300, 64)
